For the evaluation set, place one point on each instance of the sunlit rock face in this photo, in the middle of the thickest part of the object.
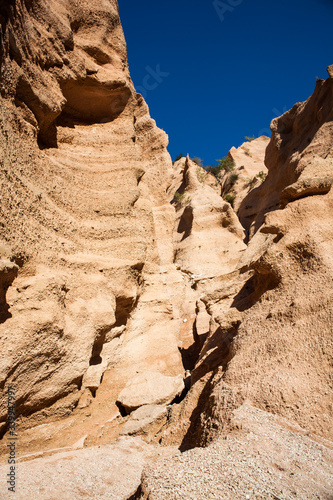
(134, 298)
(269, 339)
(84, 215)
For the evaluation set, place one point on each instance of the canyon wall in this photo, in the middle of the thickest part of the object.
(270, 330)
(85, 222)
(135, 298)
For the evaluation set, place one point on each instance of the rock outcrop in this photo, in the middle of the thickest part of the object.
(8, 272)
(269, 340)
(84, 212)
(206, 228)
(249, 173)
(135, 299)
(150, 389)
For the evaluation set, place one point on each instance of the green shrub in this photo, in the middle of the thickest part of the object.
(262, 175)
(226, 164)
(230, 198)
(178, 157)
(213, 169)
(233, 178)
(201, 174)
(250, 182)
(250, 139)
(181, 200)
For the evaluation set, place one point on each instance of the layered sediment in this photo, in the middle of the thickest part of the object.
(136, 300)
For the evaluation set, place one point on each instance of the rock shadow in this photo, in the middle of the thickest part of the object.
(186, 223)
(253, 289)
(193, 436)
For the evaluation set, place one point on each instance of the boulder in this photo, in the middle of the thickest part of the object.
(92, 377)
(142, 419)
(150, 388)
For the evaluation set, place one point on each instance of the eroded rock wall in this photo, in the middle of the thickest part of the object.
(84, 214)
(270, 335)
(127, 282)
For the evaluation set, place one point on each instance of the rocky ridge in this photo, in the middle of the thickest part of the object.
(135, 300)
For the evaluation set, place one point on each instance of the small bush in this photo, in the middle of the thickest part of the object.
(213, 169)
(226, 164)
(250, 139)
(250, 182)
(198, 161)
(181, 200)
(233, 178)
(262, 175)
(230, 198)
(201, 174)
(178, 157)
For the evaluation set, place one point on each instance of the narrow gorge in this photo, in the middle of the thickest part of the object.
(162, 342)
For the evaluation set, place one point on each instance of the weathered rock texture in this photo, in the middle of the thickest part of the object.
(207, 228)
(148, 389)
(124, 279)
(270, 336)
(262, 456)
(8, 272)
(249, 173)
(84, 213)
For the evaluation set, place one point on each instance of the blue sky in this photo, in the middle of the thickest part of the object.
(214, 71)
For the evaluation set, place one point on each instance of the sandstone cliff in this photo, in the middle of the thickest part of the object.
(84, 213)
(270, 335)
(135, 300)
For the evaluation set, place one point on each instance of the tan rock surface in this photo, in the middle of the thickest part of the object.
(270, 339)
(250, 169)
(114, 263)
(85, 215)
(147, 419)
(8, 272)
(208, 236)
(150, 388)
(248, 158)
(300, 151)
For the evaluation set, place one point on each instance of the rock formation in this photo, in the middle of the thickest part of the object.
(135, 299)
(84, 210)
(271, 319)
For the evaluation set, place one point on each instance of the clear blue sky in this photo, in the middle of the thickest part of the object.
(214, 71)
